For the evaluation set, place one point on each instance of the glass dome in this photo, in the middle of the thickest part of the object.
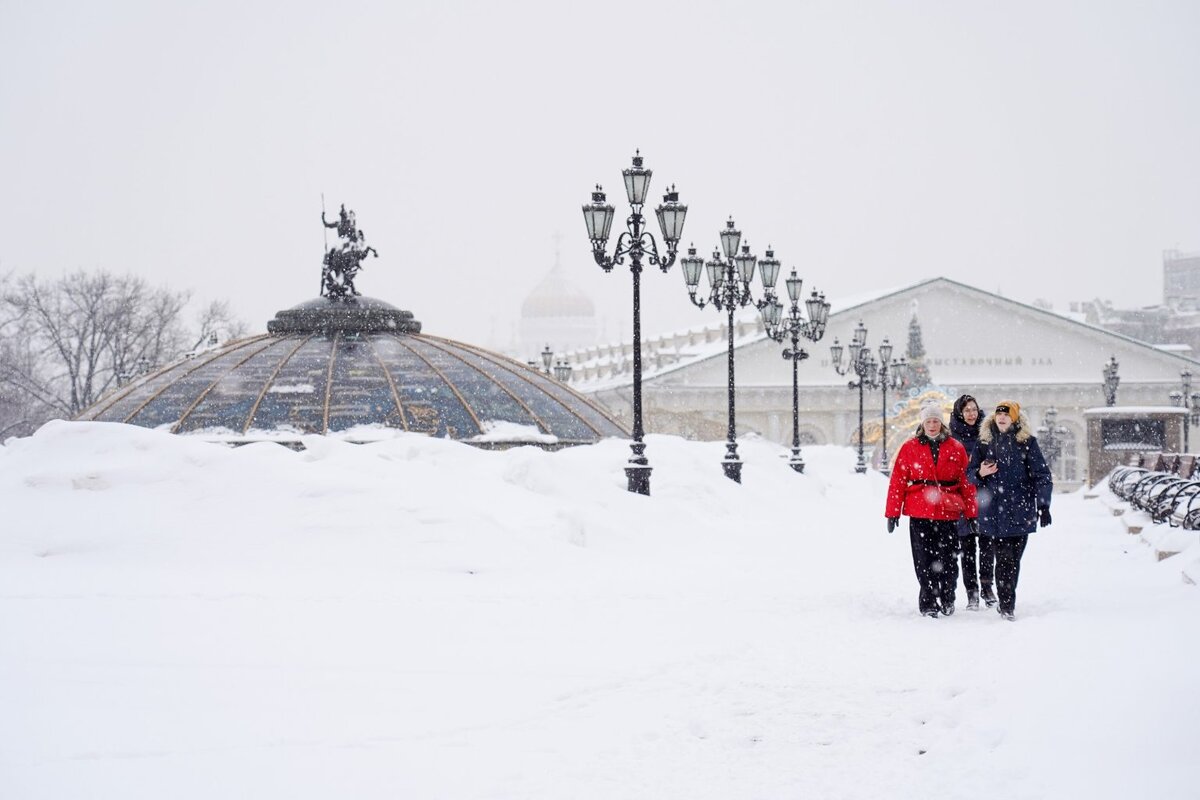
(340, 365)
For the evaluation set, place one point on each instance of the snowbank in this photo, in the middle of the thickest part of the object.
(420, 618)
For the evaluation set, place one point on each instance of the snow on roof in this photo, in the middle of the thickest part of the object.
(847, 302)
(1129, 411)
(657, 347)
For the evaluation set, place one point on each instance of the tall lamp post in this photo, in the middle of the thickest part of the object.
(795, 327)
(863, 365)
(729, 289)
(1189, 400)
(892, 374)
(1111, 381)
(1050, 436)
(637, 244)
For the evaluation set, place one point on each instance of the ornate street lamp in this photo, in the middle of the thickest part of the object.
(864, 367)
(559, 369)
(729, 289)
(793, 326)
(1189, 400)
(1050, 436)
(636, 243)
(893, 374)
(1111, 381)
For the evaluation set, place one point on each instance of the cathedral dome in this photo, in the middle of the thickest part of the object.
(341, 364)
(556, 296)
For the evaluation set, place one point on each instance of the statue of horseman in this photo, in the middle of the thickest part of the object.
(341, 264)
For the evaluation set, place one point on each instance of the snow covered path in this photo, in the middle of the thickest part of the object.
(416, 618)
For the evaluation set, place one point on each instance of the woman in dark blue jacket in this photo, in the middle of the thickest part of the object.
(1014, 493)
(965, 421)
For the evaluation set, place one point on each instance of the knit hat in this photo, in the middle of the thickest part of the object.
(931, 411)
(1011, 406)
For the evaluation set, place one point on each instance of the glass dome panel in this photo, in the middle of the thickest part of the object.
(430, 406)
(487, 400)
(363, 396)
(174, 401)
(229, 402)
(117, 406)
(295, 399)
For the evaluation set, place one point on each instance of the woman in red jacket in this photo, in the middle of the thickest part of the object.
(929, 485)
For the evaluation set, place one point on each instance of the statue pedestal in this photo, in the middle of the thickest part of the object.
(345, 314)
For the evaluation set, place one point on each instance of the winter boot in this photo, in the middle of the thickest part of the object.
(931, 613)
(947, 607)
(989, 597)
(1008, 615)
(972, 601)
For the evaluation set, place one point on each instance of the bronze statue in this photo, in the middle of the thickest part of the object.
(345, 224)
(341, 264)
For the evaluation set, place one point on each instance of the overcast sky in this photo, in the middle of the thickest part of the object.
(1043, 149)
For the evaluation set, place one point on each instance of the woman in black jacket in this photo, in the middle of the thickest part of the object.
(1014, 493)
(977, 555)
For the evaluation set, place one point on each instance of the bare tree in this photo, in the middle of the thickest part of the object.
(20, 412)
(65, 342)
(217, 322)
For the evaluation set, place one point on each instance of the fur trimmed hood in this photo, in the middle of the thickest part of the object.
(988, 430)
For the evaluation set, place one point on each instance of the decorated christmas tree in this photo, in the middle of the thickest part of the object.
(918, 372)
(904, 411)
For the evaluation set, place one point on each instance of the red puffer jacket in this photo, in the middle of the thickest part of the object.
(921, 489)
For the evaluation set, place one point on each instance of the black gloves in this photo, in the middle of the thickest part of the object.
(1044, 517)
(892, 523)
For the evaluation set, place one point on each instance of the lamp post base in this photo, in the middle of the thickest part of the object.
(732, 463)
(639, 479)
(796, 462)
(637, 472)
(861, 469)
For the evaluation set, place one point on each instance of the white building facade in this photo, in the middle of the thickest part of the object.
(975, 342)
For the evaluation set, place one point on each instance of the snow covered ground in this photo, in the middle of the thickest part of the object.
(416, 618)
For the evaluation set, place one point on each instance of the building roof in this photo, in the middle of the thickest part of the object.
(350, 367)
(665, 356)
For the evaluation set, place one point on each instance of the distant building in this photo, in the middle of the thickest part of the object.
(1181, 280)
(1040, 359)
(1174, 324)
(556, 313)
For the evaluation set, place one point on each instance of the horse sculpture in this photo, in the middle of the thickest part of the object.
(341, 264)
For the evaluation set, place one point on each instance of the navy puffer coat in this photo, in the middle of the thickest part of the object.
(968, 437)
(1010, 498)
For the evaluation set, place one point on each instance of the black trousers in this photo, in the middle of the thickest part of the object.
(1009, 550)
(933, 544)
(982, 571)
